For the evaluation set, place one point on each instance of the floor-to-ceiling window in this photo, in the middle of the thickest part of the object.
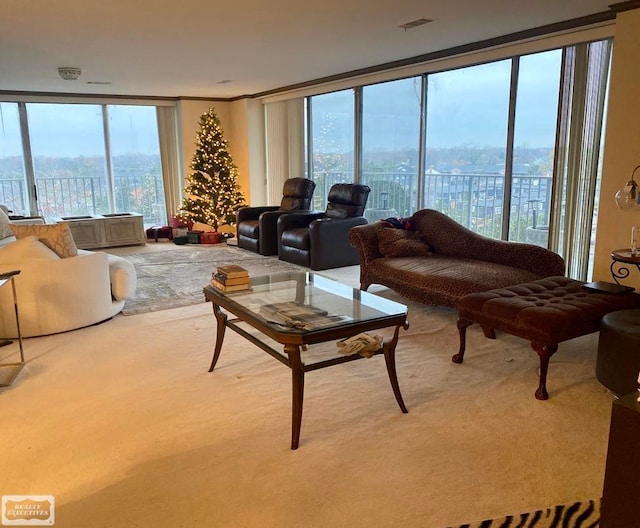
(74, 159)
(135, 158)
(332, 153)
(508, 148)
(466, 136)
(69, 163)
(535, 125)
(391, 145)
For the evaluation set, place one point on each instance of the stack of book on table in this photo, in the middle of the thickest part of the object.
(230, 278)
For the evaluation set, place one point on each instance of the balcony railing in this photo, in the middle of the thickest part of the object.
(474, 200)
(86, 195)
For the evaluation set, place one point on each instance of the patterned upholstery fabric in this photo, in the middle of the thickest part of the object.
(57, 237)
(462, 262)
(401, 243)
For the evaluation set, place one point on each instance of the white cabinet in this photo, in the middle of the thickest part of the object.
(108, 230)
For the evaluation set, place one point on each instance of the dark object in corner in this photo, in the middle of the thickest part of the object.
(399, 223)
(607, 287)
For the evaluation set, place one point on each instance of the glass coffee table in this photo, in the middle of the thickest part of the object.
(300, 309)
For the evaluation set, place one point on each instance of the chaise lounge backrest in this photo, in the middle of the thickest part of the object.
(449, 238)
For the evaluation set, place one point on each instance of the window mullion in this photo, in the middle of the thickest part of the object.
(508, 162)
(422, 143)
(108, 159)
(32, 195)
(309, 138)
(357, 135)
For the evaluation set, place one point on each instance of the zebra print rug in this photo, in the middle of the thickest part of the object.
(580, 514)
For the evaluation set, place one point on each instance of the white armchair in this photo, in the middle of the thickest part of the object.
(60, 294)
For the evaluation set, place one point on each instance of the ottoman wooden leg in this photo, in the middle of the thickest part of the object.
(488, 331)
(544, 353)
(462, 330)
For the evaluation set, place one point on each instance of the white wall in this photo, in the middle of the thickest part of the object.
(622, 146)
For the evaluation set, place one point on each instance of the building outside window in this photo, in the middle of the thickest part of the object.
(487, 154)
(332, 127)
(391, 146)
(60, 160)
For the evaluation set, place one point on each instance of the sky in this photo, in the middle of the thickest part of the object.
(71, 129)
(467, 106)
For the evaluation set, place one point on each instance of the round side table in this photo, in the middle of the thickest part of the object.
(621, 260)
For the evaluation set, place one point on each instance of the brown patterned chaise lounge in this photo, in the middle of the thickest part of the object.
(545, 312)
(461, 261)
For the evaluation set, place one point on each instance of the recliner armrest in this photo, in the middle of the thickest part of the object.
(253, 213)
(268, 232)
(294, 220)
(335, 225)
(329, 240)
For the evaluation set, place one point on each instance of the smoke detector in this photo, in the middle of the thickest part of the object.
(69, 74)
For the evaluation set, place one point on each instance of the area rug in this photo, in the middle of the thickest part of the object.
(174, 278)
(579, 514)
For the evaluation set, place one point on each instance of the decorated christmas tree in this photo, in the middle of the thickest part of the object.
(211, 194)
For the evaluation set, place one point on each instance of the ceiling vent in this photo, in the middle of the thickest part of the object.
(415, 23)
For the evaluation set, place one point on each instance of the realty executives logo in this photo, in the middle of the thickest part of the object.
(28, 510)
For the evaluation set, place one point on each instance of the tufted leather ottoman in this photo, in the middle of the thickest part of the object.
(545, 312)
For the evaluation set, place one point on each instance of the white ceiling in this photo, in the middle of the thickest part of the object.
(185, 48)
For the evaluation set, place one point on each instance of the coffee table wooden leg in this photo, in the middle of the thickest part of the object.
(221, 318)
(389, 349)
(297, 384)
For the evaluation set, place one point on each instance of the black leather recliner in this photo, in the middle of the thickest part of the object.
(321, 240)
(256, 227)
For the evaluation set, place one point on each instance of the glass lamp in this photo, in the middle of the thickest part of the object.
(627, 197)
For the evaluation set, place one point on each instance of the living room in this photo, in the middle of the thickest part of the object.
(132, 430)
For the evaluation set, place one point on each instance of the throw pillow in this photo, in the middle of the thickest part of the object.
(402, 243)
(28, 248)
(5, 230)
(57, 237)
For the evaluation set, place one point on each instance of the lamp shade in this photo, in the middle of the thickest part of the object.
(628, 198)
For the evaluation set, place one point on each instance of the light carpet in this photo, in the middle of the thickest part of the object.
(123, 424)
(169, 279)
